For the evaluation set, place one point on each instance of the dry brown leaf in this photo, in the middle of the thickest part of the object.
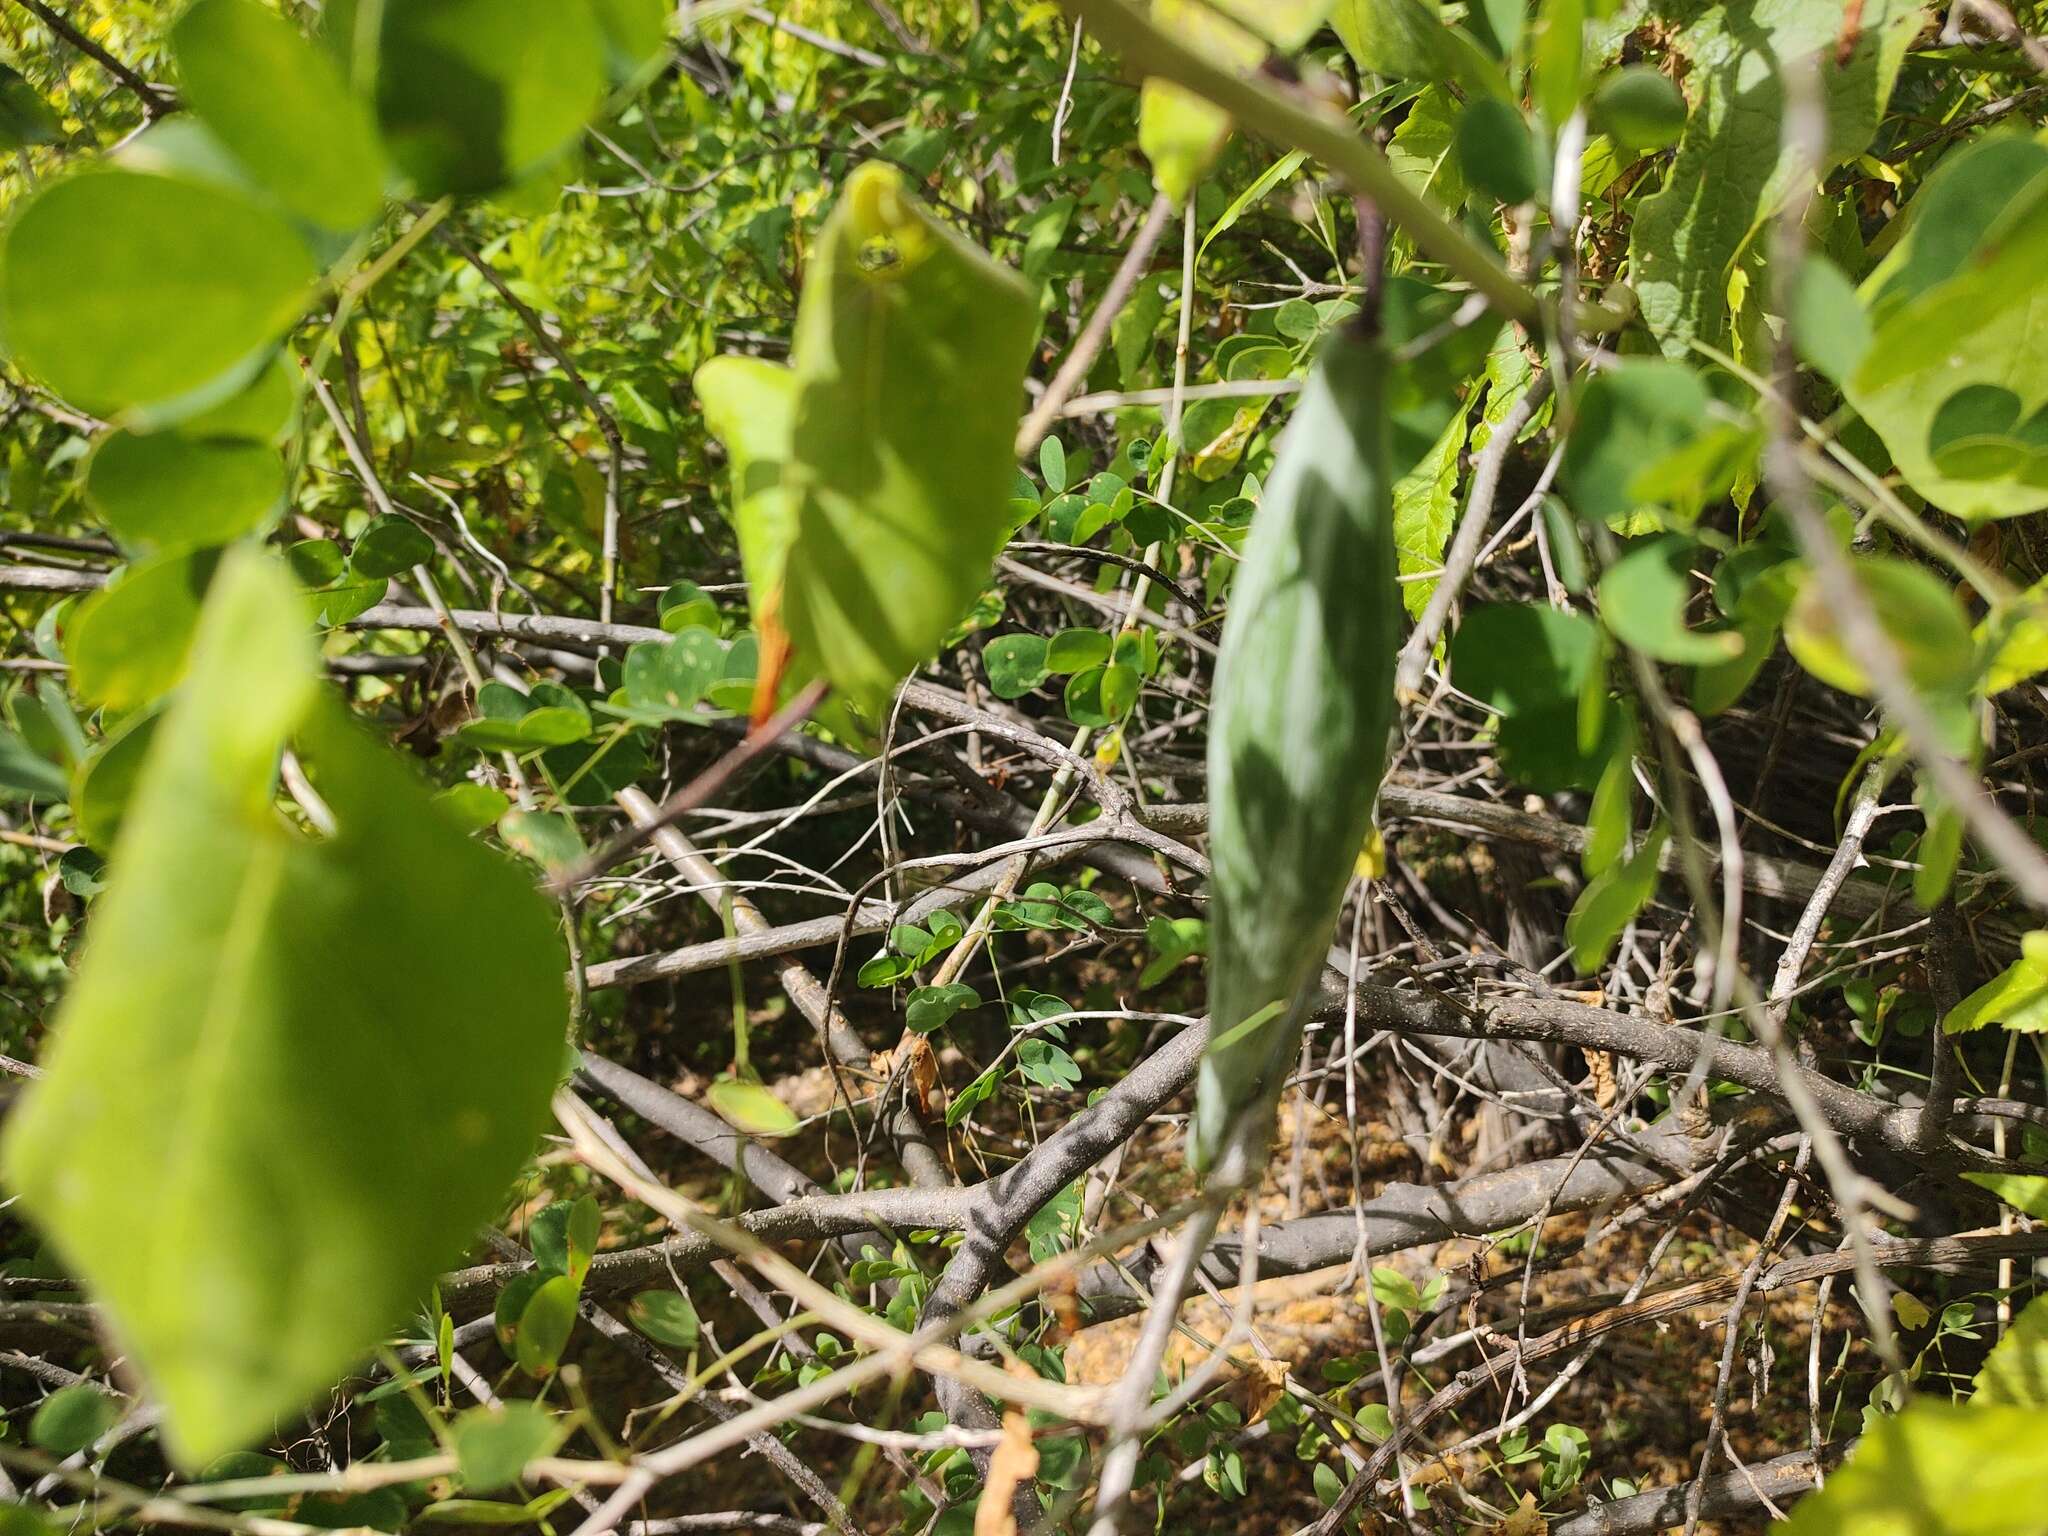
(1265, 1383)
(1014, 1464)
(923, 1066)
(1600, 1067)
(1524, 1520)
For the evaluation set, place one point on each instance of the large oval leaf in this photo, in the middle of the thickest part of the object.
(1956, 379)
(127, 643)
(168, 490)
(1916, 609)
(910, 353)
(291, 1077)
(201, 277)
(281, 107)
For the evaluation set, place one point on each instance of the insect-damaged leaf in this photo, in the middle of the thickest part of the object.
(910, 352)
(292, 1076)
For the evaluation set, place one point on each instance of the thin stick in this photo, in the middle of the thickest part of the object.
(699, 790)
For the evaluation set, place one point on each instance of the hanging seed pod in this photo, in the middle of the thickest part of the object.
(1304, 699)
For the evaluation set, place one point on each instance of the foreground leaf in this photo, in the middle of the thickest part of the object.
(1298, 738)
(1907, 1478)
(281, 106)
(749, 406)
(473, 94)
(2016, 997)
(2016, 1370)
(899, 515)
(206, 274)
(291, 1077)
(1956, 379)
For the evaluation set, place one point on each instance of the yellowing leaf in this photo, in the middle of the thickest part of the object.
(1525, 1519)
(750, 1107)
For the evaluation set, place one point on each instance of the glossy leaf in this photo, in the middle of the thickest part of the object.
(666, 680)
(390, 546)
(220, 1047)
(1973, 188)
(1424, 149)
(106, 780)
(1407, 40)
(546, 1323)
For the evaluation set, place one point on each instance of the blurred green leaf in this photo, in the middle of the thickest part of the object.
(220, 1044)
(206, 274)
(281, 107)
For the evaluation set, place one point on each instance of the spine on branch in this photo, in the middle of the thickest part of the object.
(1298, 739)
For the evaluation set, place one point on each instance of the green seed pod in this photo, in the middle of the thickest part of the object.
(1304, 698)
